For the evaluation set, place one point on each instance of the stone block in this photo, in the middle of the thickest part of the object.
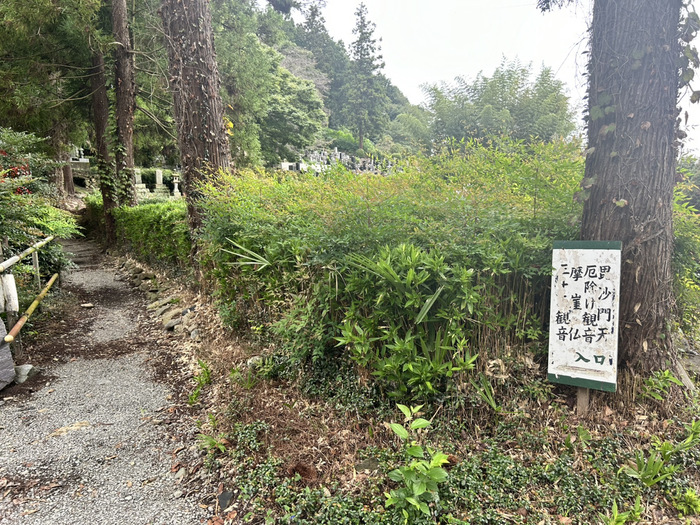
(7, 365)
(24, 372)
(172, 314)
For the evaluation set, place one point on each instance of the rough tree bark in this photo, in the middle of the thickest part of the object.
(68, 184)
(631, 164)
(199, 113)
(58, 145)
(125, 95)
(100, 110)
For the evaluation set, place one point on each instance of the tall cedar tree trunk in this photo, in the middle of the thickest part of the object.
(630, 168)
(125, 104)
(199, 114)
(100, 110)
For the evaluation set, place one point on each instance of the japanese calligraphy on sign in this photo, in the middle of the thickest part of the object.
(583, 325)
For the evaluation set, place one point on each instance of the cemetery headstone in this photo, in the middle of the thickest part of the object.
(160, 189)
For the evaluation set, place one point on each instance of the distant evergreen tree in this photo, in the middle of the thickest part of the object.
(366, 93)
(331, 59)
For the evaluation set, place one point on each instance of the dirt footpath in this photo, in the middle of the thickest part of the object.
(97, 437)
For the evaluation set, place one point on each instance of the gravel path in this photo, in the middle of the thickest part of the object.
(91, 445)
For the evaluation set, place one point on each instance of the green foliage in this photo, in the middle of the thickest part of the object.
(294, 118)
(156, 233)
(686, 249)
(331, 59)
(367, 100)
(506, 104)
(26, 210)
(412, 325)
(247, 436)
(408, 271)
(341, 139)
(502, 475)
(273, 113)
(620, 518)
(211, 444)
(658, 384)
(93, 219)
(247, 378)
(419, 478)
(485, 391)
(650, 470)
(668, 451)
(201, 379)
(687, 503)
(408, 132)
(658, 466)
(44, 46)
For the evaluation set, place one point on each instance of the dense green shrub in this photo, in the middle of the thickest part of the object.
(686, 259)
(27, 213)
(156, 233)
(414, 322)
(412, 273)
(93, 219)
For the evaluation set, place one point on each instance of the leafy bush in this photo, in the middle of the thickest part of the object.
(418, 480)
(93, 219)
(341, 139)
(414, 272)
(686, 258)
(414, 320)
(156, 233)
(26, 210)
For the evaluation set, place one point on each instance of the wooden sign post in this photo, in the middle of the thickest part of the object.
(583, 325)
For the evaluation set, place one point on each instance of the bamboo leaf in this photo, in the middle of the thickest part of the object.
(428, 305)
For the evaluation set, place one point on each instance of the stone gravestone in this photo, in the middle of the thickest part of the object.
(161, 190)
(7, 365)
(142, 192)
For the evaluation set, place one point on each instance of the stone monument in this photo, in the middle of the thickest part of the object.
(142, 192)
(161, 189)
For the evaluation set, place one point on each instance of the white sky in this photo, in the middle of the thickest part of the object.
(428, 41)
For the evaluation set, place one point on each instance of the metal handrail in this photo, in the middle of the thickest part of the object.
(12, 260)
(10, 337)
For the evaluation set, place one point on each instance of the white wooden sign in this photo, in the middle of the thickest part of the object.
(583, 325)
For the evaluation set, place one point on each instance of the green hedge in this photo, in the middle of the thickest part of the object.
(156, 233)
